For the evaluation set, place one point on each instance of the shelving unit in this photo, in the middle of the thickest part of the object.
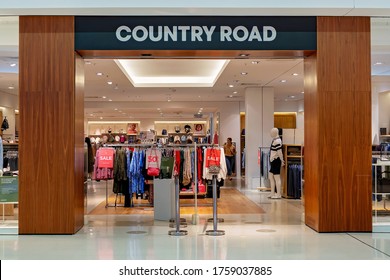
(292, 154)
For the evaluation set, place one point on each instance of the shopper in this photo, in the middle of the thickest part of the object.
(230, 156)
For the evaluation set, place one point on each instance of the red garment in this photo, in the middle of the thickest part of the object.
(213, 157)
(216, 140)
(200, 163)
(176, 169)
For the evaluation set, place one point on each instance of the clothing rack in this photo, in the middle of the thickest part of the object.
(195, 217)
(125, 145)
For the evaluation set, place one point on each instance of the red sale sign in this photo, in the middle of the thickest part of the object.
(106, 158)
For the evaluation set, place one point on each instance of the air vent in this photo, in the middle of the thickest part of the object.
(198, 116)
(92, 97)
(250, 84)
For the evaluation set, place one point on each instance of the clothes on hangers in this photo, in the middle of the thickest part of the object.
(120, 172)
(136, 172)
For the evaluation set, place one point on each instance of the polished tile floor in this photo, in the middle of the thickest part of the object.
(279, 234)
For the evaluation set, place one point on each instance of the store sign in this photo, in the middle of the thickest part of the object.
(106, 158)
(195, 33)
(9, 189)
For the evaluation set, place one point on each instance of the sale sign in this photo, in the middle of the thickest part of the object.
(106, 158)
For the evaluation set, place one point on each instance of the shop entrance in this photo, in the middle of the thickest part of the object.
(331, 79)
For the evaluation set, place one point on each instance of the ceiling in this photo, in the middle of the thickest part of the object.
(121, 100)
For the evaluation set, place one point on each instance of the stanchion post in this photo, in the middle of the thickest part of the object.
(215, 231)
(177, 232)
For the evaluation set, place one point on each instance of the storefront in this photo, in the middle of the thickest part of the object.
(332, 79)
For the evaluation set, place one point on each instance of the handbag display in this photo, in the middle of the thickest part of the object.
(153, 164)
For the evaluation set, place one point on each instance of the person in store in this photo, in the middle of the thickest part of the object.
(276, 160)
(91, 158)
(230, 156)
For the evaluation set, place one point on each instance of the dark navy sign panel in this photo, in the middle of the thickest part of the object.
(195, 33)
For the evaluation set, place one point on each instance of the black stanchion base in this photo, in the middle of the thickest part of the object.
(177, 233)
(215, 232)
(219, 220)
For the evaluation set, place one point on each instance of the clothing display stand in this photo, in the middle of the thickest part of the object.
(215, 231)
(129, 202)
(178, 231)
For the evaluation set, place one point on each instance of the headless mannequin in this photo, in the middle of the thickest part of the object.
(276, 160)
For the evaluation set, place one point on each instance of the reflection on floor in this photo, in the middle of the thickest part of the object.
(279, 233)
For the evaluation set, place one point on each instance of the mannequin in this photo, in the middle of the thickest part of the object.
(276, 160)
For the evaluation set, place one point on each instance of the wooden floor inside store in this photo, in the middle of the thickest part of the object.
(231, 201)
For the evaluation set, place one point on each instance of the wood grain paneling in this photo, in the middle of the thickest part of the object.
(51, 127)
(338, 127)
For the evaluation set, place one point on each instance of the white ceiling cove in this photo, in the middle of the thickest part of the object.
(172, 72)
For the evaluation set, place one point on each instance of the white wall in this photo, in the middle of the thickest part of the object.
(293, 136)
(384, 110)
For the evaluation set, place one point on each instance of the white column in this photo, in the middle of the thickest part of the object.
(375, 115)
(230, 127)
(259, 120)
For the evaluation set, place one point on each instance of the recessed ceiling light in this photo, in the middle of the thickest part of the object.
(231, 85)
(302, 92)
(88, 62)
(255, 62)
(244, 54)
(295, 74)
(158, 109)
(104, 97)
(101, 118)
(230, 96)
(110, 100)
(109, 82)
(244, 73)
(235, 92)
(378, 63)
(11, 87)
(12, 64)
(91, 115)
(116, 109)
(16, 111)
(292, 96)
(283, 81)
(99, 74)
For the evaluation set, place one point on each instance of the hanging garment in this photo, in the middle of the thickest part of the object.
(104, 171)
(120, 172)
(4, 125)
(222, 163)
(136, 174)
(294, 181)
(187, 176)
(153, 161)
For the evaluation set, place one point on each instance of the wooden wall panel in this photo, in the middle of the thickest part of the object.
(311, 149)
(339, 182)
(50, 142)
